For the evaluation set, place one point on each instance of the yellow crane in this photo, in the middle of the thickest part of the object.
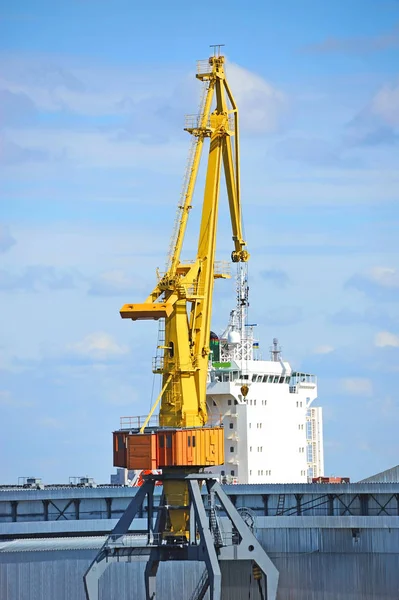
(184, 443)
(183, 295)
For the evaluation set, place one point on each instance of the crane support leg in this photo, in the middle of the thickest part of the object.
(208, 542)
(111, 550)
(151, 568)
(211, 559)
(248, 547)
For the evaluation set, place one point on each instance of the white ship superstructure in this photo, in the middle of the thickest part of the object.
(272, 433)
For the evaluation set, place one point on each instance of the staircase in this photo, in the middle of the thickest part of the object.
(215, 527)
(201, 587)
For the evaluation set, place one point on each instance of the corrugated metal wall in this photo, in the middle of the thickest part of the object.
(40, 576)
(315, 563)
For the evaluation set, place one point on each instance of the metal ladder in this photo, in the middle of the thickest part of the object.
(280, 505)
(186, 180)
(158, 360)
(201, 587)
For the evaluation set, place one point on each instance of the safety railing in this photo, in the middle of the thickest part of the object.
(136, 422)
(195, 121)
(204, 67)
(222, 267)
(133, 540)
(191, 290)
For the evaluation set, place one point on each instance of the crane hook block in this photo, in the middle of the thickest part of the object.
(146, 311)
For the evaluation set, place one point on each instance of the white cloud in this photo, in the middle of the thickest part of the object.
(386, 338)
(97, 89)
(37, 277)
(277, 276)
(50, 423)
(98, 345)
(323, 349)
(261, 106)
(385, 276)
(5, 398)
(81, 87)
(99, 149)
(6, 239)
(380, 282)
(385, 104)
(357, 386)
(121, 395)
(8, 399)
(114, 283)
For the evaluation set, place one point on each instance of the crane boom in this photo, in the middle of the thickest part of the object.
(183, 296)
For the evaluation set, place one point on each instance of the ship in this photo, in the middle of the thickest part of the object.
(272, 431)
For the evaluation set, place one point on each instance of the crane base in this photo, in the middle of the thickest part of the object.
(208, 541)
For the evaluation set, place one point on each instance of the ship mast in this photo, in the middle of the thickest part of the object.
(242, 298)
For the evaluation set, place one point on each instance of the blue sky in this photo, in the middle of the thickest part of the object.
(92, 154)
